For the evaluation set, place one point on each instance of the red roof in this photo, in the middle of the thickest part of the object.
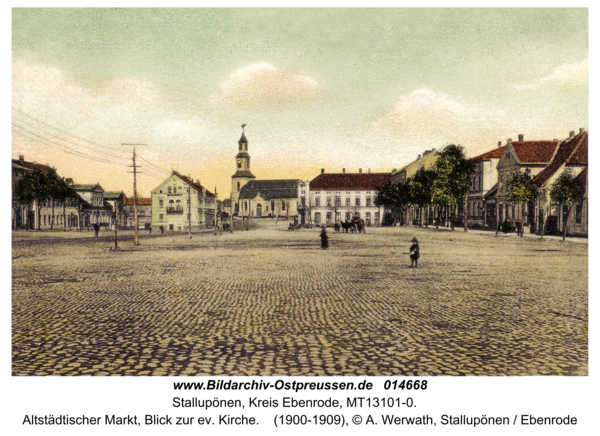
(350, 181)
(581, 179)
(140, 201)
(494, 154)
(535, 151)
(33, 166)
(571, 151)
(191, 182)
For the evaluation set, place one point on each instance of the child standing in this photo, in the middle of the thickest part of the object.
(414, 253)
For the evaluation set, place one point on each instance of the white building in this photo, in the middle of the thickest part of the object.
(179, 201)
(337, 197)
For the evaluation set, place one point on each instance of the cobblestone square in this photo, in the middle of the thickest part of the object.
(270, 302)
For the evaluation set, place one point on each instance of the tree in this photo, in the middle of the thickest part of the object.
(59, 191)
(33, 188)
(451, 185)
(522, 190)
(393, 197)
(421, 190)
(568, 192)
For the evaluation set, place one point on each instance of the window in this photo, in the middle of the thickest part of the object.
(368, 201)
(357, 201)
(317, 217)
(338, 201)
(283, 205)
(328, 217)
(246, 206)
(347, 201)
(348, 216)
(238, 186)
(578, 213)
(161, 216)
(338, 216)
(169, 191)
(160, 203)
(328, 199)
(317, 201)
(239, 164)
(377, 217)
(180, 189)
(170, 226)
(368, 217)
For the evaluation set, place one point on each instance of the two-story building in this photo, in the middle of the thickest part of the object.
(571, 155)
(97, 211)
(182, 204)
(520, 156)
(144, 206)
(483, 180)
(116, 200)
(337, 197)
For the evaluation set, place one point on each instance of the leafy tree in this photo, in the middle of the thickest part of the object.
(59, 191)
(568, 192)
(393, 197)
(421, 190)
(33, 188)
(522, 190)
(451, 186)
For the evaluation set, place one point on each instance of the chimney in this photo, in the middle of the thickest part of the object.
(360, 170)
(520, 137)
(419, 157)
(571, 133)
(21, 158)
(322, 170)
(581, 129)
(344, 170)
(499, 144)
(509, 140)
(369, 170)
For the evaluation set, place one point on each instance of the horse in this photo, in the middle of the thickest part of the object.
(359, 225)
(347, 226)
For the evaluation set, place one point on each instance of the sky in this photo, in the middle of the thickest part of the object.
(317, 88)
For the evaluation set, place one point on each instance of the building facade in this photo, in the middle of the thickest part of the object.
(572, 156)
(180, 204)
(144, 213)
(269, 198)
(483, 180)
(336, 197)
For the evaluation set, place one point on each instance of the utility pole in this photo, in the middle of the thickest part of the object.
(189, 189)
(135, 208)
(216, 207)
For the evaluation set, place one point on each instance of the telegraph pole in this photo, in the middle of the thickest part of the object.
(189, 189)
(135, 208)
(216, 207)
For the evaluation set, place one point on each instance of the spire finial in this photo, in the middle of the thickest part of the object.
(243, 125)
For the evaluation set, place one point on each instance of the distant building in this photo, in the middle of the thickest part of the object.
(97, 211)
(178, 201)
(45, 214)
(520, 156)
(483, 180)
(571, 155)
(269, 198)
(116, 200)
(260, 198)
(144, 213)
(337, 197)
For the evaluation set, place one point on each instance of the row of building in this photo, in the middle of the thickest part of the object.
(488, 199)
(181, 203)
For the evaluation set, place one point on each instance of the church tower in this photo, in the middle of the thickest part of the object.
(242, 174)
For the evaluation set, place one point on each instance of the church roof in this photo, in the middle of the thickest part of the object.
(243, 139)
(270, 189)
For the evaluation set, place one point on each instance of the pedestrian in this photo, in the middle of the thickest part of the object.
(324, 239)
(162, 230)
(150, 229)
(414, 253)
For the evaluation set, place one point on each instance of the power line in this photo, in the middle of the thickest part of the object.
(62, 147)
(70, 134)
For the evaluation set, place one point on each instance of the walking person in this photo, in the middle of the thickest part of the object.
(324, 239)
(414, 253)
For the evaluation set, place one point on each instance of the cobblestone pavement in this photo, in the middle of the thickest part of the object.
(270, 302)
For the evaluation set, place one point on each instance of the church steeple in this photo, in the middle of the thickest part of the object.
(242, 174)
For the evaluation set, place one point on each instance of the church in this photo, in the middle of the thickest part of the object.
(260, 198)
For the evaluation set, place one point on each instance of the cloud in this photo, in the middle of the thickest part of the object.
(265, 86)
(38, 84)
(565, 74)
(423, 112)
